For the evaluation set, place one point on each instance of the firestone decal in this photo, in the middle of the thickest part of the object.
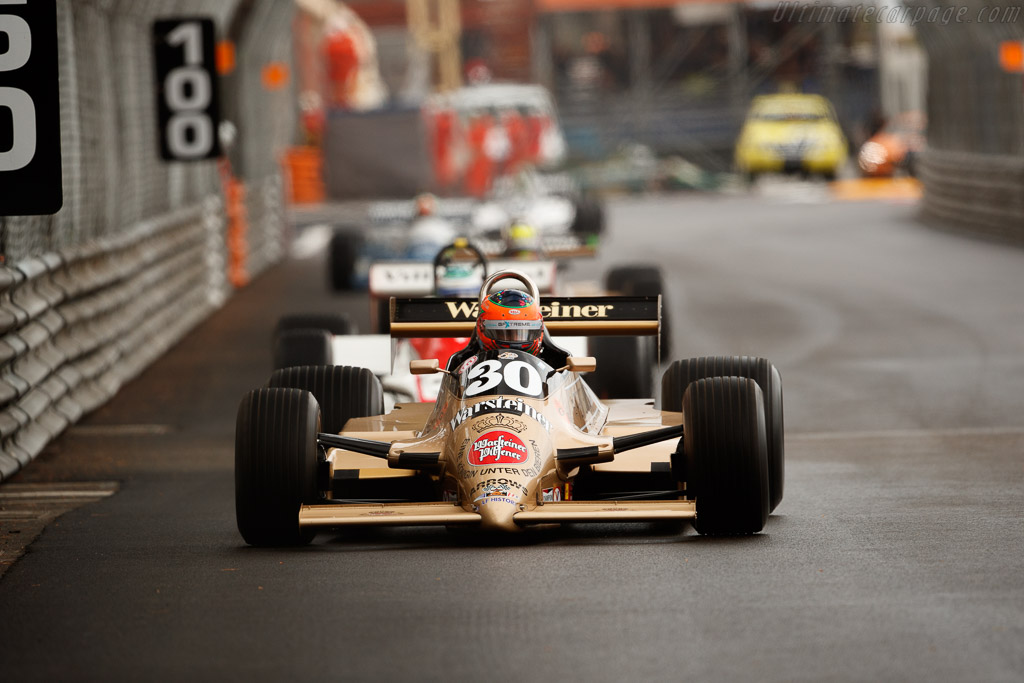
(466, 365)
(498, 448)
(500, 404)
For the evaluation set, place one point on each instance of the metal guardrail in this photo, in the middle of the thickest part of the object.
(973, 170)
(140, 251)
(973, 192)
(75, 327)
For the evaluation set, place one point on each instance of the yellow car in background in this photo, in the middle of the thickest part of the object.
(791, 134)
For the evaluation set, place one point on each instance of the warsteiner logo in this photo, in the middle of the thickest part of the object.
(465, 310)
(498, 448)
(500, 405)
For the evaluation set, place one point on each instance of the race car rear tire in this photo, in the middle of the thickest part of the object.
(635, 280)
(725, 455)
(643, 280)
(681, 373)
(383, 316)
(589, 218)
(346, 244)
(343, 392)
(276, 464)
(302, 347)
(624, 367)
(333, 323)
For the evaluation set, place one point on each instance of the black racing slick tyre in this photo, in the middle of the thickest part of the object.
(275, 465)
(383, 322)
(302, 347)
(636, 280)
(589, 218)
(681, 373)
(725, 455)
(346, 243)
(624, 367)
(643, 280)
(342, 392)
(332, 323)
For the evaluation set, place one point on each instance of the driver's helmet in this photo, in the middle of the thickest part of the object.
(426, 204)
(460, 279)
(520, 236)
(510, 319)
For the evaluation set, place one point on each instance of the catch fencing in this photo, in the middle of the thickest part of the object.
(973, 168)
(142, 249)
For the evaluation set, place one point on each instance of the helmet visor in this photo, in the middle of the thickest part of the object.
(513, 331)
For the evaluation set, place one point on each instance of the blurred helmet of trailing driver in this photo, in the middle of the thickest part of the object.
(460, 279)
(521, 236)
(510, 319)
(426, 204)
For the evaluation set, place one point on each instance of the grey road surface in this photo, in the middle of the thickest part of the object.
(896, 555)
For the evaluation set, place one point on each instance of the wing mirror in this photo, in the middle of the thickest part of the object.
(582, 363)
(428, 366)
(579, 364)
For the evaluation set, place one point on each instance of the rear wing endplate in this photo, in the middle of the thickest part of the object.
(576, 316)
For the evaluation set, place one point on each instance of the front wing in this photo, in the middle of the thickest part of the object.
(413, 514)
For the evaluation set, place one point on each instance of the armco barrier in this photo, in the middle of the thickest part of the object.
(139, 253)
(75, 327)
(978, 193)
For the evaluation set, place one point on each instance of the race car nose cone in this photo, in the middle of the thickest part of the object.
(496, 513)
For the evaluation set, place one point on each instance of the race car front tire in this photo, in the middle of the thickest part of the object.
(342, 392)
(724, 455)
(589, 218)
(275, 465)
(332, 323)
(344, 253)
(680, 374)
(302, 347)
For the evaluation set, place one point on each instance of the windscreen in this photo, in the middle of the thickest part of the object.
(507, 373)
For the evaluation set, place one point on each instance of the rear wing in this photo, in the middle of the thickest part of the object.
(576, 316)
(416, 278)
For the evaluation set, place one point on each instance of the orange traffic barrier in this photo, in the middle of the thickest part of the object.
(237, 237)
(1011, 56)
(303, 167)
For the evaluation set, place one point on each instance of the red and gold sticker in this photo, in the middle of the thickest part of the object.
(498, 448)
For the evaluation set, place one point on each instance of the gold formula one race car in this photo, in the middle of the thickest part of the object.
(514, 440)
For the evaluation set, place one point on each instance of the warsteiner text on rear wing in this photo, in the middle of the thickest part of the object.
(578, 315)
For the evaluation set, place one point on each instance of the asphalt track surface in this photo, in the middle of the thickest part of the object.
(896, 554)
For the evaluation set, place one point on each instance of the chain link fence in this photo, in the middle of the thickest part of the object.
(139, 253)
(973, 170)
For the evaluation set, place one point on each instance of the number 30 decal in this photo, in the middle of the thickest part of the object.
(488, 377)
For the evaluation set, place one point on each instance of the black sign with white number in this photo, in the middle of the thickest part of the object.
(30, 178)
(188, 109)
